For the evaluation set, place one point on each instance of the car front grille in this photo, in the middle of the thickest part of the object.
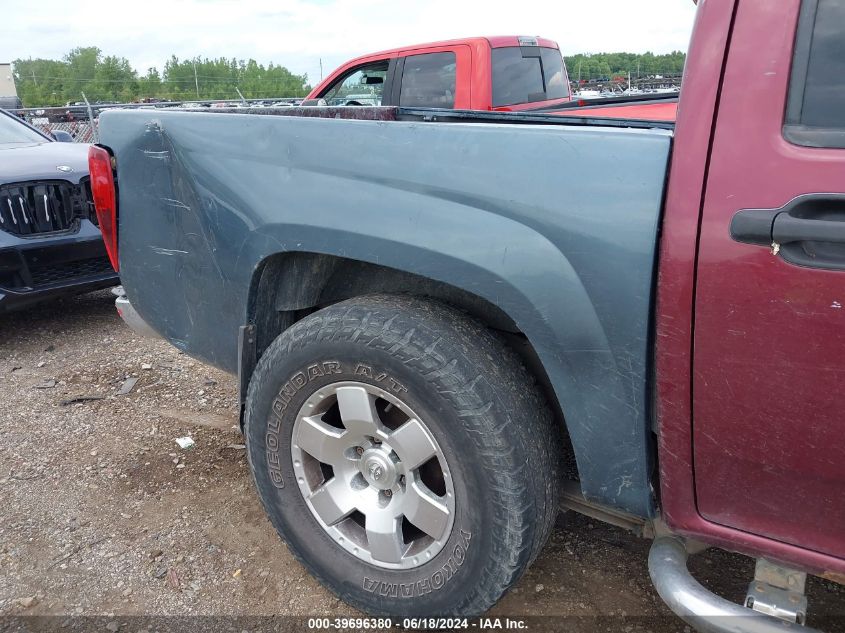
(43, 275)
(35, 208)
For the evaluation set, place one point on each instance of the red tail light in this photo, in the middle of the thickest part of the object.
(105, 200)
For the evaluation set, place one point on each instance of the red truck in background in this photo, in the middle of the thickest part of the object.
(505, 74)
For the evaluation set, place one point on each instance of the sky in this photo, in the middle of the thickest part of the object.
(299, 33)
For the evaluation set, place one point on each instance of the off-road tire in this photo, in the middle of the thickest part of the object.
(482, 406)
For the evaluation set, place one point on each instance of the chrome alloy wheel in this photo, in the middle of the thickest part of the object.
(373, 475)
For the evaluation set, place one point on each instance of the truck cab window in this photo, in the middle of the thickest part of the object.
(428, 81)
(815, 114)
(527, 74)
(363, 86)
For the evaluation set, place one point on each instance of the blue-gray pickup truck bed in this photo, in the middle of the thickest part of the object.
(555, 225)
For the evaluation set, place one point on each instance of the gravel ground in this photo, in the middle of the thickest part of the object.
(103, 514)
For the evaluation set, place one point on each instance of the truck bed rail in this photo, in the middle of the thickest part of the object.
(442, 115)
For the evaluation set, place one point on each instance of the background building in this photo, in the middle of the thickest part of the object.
(8, 93)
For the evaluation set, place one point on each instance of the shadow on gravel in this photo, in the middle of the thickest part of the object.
(72, 314)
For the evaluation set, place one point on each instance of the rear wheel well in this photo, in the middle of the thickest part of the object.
(289, 286)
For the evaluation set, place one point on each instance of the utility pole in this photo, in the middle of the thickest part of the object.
(33, 77)
(196, 80)
(91, 119)
(321, 69)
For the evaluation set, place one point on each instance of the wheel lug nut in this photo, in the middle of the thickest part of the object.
(359, 450)
(388, 493)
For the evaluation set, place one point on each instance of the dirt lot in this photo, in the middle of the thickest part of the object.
(103, 514)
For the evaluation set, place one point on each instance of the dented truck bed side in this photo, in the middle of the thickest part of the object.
(519, 215)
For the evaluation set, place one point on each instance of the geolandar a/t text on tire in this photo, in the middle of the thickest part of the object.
(404, 454)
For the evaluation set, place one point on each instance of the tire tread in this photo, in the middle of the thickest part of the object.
(502, 409)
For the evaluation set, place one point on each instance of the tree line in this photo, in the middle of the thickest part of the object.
(608, 65)
(106, 78)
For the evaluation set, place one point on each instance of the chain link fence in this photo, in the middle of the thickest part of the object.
(74, 121)
(80, 131)
(81, 122)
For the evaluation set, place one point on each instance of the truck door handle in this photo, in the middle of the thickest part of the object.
(807, 231)
(788, 229)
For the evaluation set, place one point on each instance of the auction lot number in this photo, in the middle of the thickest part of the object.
(387, 623)
(352, 624)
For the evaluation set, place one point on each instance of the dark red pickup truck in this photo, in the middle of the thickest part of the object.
(448, 323)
